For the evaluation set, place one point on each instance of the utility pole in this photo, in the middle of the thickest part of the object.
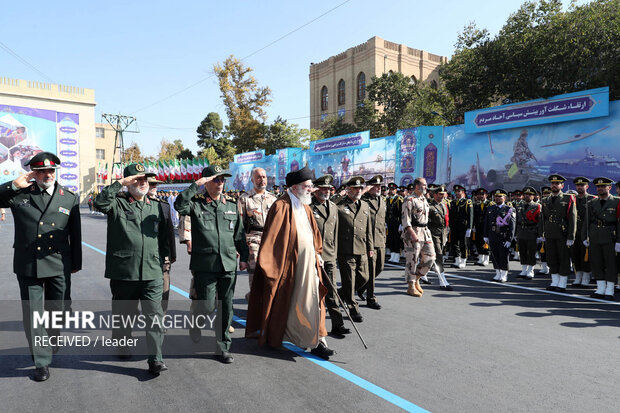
(120, 123)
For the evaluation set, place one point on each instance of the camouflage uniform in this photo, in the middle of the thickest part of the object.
(253, 209)
(415, 215)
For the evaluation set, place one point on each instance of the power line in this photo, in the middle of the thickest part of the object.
(244, 58)
(24, 61)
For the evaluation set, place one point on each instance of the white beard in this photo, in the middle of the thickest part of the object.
(136, 192)
(304, 197)
(46, 185)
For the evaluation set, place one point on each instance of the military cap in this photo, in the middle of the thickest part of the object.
(341, 187)
(153, 180)
(384, 188)
(410, 187)
(284, 187)
(545, 190)
(275, 187)
(443, 189)
(581, 180)
(325, 181)
(482, 191)
(356, 181)
(602, 181)
(375, 180)
(500, 192)
(402, 188)
(518, 192)
(215, 170)
(556, 178)
(299, 176)
(136, 169)
(458, 187)
(433, 187)
(392, 185)
(528, 190)
(44, 160)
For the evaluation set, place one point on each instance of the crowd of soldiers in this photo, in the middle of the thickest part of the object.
(360, 224)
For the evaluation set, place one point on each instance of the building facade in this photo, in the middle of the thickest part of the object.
(36, 116)
(338, 84)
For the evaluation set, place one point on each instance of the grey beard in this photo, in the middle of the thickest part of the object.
(322, 197)
(46, 185)
(135, 191)
(304, 198)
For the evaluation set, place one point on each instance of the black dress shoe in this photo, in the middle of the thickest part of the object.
(194, 334)
(608, 297)
(225, 357)
(41, 373)
(156, 367)
(595, 295)
(446, 287)
(560, 290)
(373, 304)
(357, 317)
(361, 295)
(550, 288)
(322, 351)
(340, 331)
(426, 281)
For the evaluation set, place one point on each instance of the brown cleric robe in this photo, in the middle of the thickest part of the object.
(274, 277)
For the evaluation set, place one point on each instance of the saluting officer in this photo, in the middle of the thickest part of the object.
(377, 208)
(217, 237)
(394, 206)
(326, 216)
(527, 232)
(461, 223)
(48, 247)
(438, 226)
(253, 207)
(355, 244)
(499, 229)
(481, 205)
(558, 228)
(137, 243)
(603, 229)
(578, 251)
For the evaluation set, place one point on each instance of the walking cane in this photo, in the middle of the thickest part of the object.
(344, 307)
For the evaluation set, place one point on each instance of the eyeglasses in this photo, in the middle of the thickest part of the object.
(219, 179)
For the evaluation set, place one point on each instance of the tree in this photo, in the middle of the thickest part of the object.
(367, 118)
(245, 104)
(213, 135)
(281, 134)
(431, 107)
(336, 126)
(541, 51)
(133, 154)
(392, 92)
(170, 150)
(185, 154)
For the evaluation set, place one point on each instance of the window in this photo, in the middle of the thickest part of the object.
(324, 98)
(361, 87)
(341, 92)
(100, 153)
(99, 132)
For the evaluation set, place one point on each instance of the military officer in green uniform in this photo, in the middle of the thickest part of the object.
(377, 208)
(217, 237)
(438, 226)
(326, 216)
(558, 226)
(355, 244)
(578, 251)
(394, 205)
(461, 224)
(527, 231)
(601, 232)
(48, 247)
(137, 243)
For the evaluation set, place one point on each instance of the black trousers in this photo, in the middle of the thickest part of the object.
(558, 256)
(578, 253)
(393, 241)
(438, 252)
(499, 254)
(459, 241)
(527, 251)
(603, 262)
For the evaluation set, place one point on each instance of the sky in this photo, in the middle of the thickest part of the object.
(154, 59)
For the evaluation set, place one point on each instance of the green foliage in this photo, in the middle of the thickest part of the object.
(541, 51)
(336, 126)
(133, 153)
(392, 92)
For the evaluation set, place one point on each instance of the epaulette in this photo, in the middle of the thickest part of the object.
(491, 203)
(123, 194)
(509, 203)
(154, 198)
(230, 199)
(198, 196)
(469, 202)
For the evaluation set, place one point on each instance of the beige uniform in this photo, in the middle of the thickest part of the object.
(419, 255)
(253, 209)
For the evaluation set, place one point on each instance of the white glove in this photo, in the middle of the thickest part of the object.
(569, 242)
(507, 244)
(586, 243)
(400, 228)
(468, 233)
(617, 247)
(486, 240)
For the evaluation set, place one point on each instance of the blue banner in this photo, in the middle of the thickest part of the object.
(406, 152)
(430, 149)
(348, 142)
(246, 157)
(572, 106)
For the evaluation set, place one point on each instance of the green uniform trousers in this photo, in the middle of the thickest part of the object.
(125, 297)
(375, 267)
(39, 294)
(602, 259)
(558, 256)
(212, 286)
(353, 277)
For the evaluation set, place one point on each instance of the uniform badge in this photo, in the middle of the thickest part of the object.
(217, 169)
(357, 182)
(24, 203)
(46, 162)
(140, 167)
(64, 210)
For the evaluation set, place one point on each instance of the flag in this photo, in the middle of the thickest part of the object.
(105, 173)
(513, 170)
(177, 170)
(197, 169)
(167, 176)
(183, 169)
(160, 171)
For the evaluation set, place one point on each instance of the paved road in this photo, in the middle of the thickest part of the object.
(484, 347)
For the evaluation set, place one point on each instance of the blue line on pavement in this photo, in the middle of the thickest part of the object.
(358, 381)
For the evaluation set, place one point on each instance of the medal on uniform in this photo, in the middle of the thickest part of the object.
(232, 225)
(63, 210)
